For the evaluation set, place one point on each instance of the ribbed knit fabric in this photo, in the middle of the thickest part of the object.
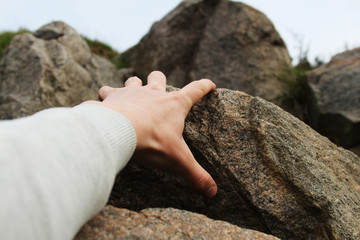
(57, 169)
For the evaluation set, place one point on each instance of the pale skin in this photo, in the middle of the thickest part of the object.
(158, 119)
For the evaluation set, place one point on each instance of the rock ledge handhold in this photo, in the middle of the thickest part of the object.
(274, 173)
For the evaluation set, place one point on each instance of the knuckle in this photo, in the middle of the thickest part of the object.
(132, 80)
(103, 89)
(183, 99)
(155, 86)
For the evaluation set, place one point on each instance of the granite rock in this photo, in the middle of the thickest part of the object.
(334, 98)
(50, 68)
(229, 42)
(168, 223)
(274, 173)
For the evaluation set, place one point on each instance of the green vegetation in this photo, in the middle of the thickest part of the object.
(294, 78)
(100, 48)
(294, 98)
(5, 39)
(120, 62)
(95, 46)
(107, 52)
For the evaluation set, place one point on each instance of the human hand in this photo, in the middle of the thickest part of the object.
(158, 118)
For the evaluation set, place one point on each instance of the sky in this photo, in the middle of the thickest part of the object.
(321, 27)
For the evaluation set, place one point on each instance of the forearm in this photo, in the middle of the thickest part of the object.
(57, 169)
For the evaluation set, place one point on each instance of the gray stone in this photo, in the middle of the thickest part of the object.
(274, 173)
(334, 98)
(229, 42)
(54, 67)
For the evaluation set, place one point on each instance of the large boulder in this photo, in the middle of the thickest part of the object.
(229, 42)
(274, 173)
(52, 67)
(169, 223)
(334, 98)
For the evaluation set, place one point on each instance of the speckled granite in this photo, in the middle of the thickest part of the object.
(157, 223)
(274, 173)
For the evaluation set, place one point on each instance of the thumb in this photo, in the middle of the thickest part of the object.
(188, 168)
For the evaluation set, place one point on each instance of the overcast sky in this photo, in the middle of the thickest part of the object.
(325, 27)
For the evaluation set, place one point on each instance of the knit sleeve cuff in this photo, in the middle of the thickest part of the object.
(116, 131)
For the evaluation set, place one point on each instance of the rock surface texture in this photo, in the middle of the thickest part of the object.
(334, 98)
(52, 67)
(229, 42)
(114, 223)
(274, 173)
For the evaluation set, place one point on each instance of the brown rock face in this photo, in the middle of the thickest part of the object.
(114, 223)
(275, 174)
(334, 98)
(229, 42)
(52, 67)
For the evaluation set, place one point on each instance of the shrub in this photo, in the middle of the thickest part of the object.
(5, 39)
(294, 98)
(107, 52)
(100, 48)
(120, 62)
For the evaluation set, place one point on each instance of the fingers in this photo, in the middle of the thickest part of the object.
(133, 81)
(198, 178)
(194, 91)
(104, 92)
(157, 79)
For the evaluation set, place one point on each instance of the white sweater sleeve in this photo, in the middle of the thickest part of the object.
(57, 169)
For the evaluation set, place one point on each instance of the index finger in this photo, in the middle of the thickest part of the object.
(196, 90)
